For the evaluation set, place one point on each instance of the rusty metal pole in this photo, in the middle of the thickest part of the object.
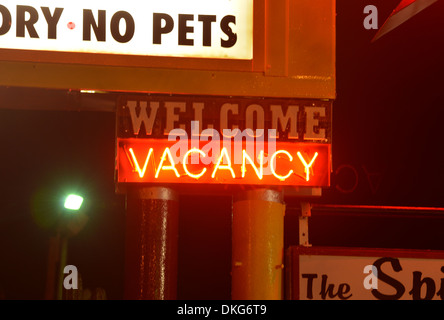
(62, 265)
(53, 258)
(258, 245)
(151, 244)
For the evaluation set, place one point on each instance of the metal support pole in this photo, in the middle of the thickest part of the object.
(53, 258)
(151, 244)
(303, 224)
(257, 245)
(62, 265)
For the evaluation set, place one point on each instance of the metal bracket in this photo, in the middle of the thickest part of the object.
(303, 224)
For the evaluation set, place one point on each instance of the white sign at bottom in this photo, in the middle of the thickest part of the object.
(387, 277)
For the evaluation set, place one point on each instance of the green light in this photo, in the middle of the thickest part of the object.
(73, 202)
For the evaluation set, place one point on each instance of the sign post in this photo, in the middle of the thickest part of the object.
(151, 244)
(258, 245)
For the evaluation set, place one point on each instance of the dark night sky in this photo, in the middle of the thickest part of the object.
(387, 125)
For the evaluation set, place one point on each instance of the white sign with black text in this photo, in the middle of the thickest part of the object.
(171, 28)
(324, 277)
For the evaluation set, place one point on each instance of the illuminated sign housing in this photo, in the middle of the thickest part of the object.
(260, 48)
(193, 28)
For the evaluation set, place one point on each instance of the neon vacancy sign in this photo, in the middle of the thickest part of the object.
(171, 28)
(163, 161)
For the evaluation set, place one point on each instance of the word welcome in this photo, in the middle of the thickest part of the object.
(292, 120)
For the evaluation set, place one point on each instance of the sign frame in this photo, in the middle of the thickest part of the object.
(293, 254)
(143, 124)
(293, 56)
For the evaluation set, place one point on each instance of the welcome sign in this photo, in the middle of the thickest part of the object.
(171, 28)
(177, 139)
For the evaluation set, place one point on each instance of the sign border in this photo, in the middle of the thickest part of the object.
(293, 253)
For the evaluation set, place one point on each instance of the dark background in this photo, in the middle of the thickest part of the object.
(387, 138)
